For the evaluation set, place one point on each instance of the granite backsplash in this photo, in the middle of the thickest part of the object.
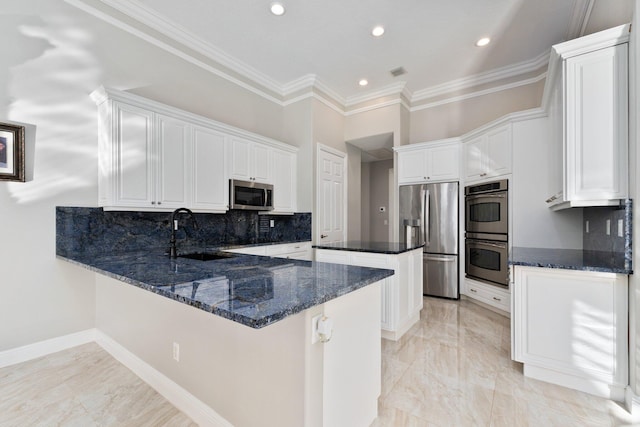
(95, 231)
(597, 238)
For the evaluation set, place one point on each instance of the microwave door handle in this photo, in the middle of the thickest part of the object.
(266, 201)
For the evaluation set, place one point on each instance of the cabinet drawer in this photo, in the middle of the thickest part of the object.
(497, 298)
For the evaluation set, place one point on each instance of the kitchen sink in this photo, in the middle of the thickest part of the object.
(207, 256)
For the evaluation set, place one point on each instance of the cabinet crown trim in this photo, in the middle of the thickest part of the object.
(428, 144)
(103, 94)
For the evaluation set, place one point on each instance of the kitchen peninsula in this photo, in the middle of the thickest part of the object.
(401, 293)
(228, 332)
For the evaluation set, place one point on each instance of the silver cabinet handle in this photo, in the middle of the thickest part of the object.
(153, 203)
(472, 290)
(159, 203)
(497, 299)
(322, 236)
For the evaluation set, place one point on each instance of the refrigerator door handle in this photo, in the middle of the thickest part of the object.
(443, 259)
(427, 217)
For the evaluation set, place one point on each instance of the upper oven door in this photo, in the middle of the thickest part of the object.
(487, 213)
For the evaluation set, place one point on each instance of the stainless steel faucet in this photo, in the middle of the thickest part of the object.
(173, 251)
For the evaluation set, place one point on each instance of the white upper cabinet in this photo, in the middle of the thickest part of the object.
(209, 174)
(435, 161)
(596, 124)
(592, 74)
(156, 157)
(171, 162)
(283, 165)
(126, 156)
(489, 154)
(250, 160)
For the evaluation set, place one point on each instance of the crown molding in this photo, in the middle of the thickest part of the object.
(267, 88)
(579, 18)
(479, 93)
(482, 78)
(146, 16)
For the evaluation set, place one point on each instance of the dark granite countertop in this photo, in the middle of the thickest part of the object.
(253, 290)
(374, 247)
(571, 259)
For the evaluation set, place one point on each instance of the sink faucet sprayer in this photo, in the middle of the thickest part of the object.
(173, 252)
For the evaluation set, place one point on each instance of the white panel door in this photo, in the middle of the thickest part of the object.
(497, 155)
(173, 161)
(210, 183)
(284, 181)
(331, 195)
(412, 166)
(443, 163)
(596, 106)
(261, 163)
(473, 158)
(239, 160)
(134, 156)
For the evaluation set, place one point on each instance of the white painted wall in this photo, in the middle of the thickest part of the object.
(365, 180)
(535, 225)
(53, 56)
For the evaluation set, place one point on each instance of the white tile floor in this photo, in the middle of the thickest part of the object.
(452, 369)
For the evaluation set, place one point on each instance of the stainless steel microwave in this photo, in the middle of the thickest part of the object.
(250, 195)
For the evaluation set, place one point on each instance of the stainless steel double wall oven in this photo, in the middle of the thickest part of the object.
(487, 232)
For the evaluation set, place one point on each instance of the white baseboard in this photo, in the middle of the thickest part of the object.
(631, 401)
(43, 348)
(198, 411)
(194, 408)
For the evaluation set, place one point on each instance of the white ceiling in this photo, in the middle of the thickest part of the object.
(329, 41)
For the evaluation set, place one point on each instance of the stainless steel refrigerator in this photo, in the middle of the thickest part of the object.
(429, 214)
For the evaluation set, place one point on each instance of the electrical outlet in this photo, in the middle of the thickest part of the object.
(586, 227)
(608, 230)
(315, 337)
(620, 228)
(176, 351)
(272, 223)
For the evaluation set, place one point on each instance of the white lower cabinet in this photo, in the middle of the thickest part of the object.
(570, 328)
(494, 296)
(401, 293)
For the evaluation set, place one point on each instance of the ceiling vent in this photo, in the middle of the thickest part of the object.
(398, 71)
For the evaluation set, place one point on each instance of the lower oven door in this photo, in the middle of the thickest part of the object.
(486, 260)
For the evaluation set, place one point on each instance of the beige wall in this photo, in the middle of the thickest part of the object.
(365, 216)
(378, 197)
(297, 131)
(457, 118)
(354, 193)
(375, 122)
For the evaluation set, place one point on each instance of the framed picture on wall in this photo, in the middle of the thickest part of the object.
(11, 152)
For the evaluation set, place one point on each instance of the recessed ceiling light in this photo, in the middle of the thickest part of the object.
(363, 82)
(377, 31)
(483, 41)
(277, 9)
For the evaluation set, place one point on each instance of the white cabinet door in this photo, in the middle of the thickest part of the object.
(570, 328)
(473, 159)
(596, 124)
(489, 154)
(427, 164)
(132, 171)
(442, 163)
(209, 175)
(249, 160)
(284, 181)
(172, 161)
(497, 155)
(412, 166)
